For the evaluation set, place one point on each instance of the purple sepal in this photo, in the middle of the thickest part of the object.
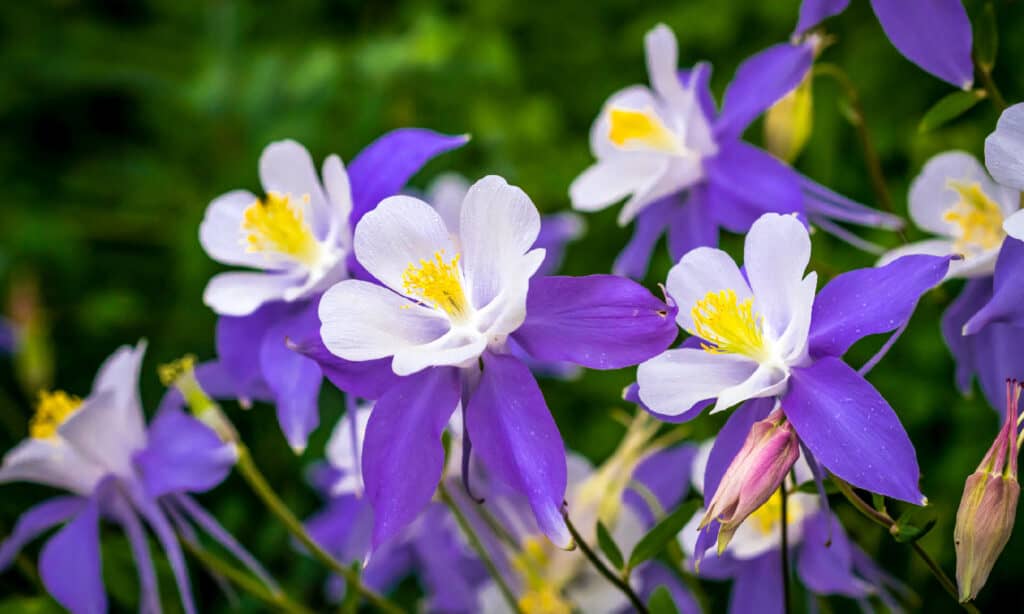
(745, 182)
(693, 224)
(343, 528)
(1007, 303)
(936, 35)
(852, 430)
(384, 167)
(758, 586)
(293, 379)
(70, 564)
(866, 302)
(516, 439)
(402, 452)
(450, 576)
(556, 231)
(37, 520)
(182, 455)
(730, 440)
(821, 202)
(597, 321)
(702, 84)
(825, 563)
(660, 472)
(651, 223)
(367, 379)
(760, 81)
(813, 12)
(238, 349)
(654, 574)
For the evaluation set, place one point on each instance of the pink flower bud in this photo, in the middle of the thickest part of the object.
(988, 507)
(755, 473)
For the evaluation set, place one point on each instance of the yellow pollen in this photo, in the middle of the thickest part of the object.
(641, 128)
(277, 226)
(732, 327)
(437, 283)
(544, 601)
(171, 372)
(979, 218)
(766, 518)
(52, 410)
(540, 594)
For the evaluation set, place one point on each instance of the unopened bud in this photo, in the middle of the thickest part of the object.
(988, 507)
(757, 471)
(787, 124)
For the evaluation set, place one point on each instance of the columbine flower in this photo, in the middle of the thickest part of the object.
(683, 167)
(766, 335)
(1004, 157)
(100, 450)
(934, 35)
(299, 233)
(450, 299)
(954, 198)
(988, 507)
(827, 562)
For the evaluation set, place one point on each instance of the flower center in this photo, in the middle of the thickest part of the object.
(540, 594)
(52, 410)
(632, 129)
(732, 327)
(979, 218)
(276, 226)
(437, 283)
(766, 518)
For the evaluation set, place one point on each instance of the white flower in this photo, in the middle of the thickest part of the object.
(1004, 157)
(448, 294)
(754, 333)
(296, 236)
(74, 443)
(955, 199)
(648, 143)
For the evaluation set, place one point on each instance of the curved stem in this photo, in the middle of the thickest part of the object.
(478, 547)
(883, 519)
(786, 600)
(252, 475)
(990, 86)
(603, 569)
(278, 600)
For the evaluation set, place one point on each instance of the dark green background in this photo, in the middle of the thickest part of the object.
(120, 120)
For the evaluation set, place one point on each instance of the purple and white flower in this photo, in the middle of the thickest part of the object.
(764, 333)
(450, 300)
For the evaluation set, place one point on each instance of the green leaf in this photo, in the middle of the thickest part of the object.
(914, 524)
(986, 38)
(661, 602)
(878, 501)
(949, 108)
(669, 526)
(811, 488)
(608, 546)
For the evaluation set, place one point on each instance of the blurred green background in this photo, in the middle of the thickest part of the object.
(121, 119)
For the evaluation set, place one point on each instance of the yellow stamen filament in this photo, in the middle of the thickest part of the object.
(729, 326)
(979, 218)
(277, 226)
(540, 594)
(437, 283)
(52, 409)
(629, 127)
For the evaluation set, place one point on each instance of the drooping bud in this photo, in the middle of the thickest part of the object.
(787, 124)
(181, 374)
(988, 507)
(757, 471)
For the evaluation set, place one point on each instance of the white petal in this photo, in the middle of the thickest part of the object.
(456, 347)
(339, 195)
(507, 311)
(767, 380)
(51, 462)
(676, 174)
(1004, 148)
(700, 465)
(239, 294)
(931, 197)
(974, 265)
(610, 180)
(498, 226)
(95, 433)
(750, 541)
(400, 231)
(119, 375)
(775, 254)
(286, 167)
(700, 271)
(674, 381)
(344, 449)
(220, 232)
(792, 343)
(446, 193)
(1014, 225)
(364, 321)
(662, 53)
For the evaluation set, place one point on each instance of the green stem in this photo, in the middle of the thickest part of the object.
(882, 518)
(277, 600)
(786, 599)
(603, 569)
(478, 547)
(252, 475)
(990, 86)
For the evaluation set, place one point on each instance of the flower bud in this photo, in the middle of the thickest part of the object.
(787, 124)
(754, 475)
(988, 507)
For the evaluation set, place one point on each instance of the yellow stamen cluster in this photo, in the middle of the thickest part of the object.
(52, 409)
(277, 226)
(540, 595)
(979, 217)
(437, 283)
(631, 127)
(732, 327)
(766, 518)
(170, 373)
(181, 374)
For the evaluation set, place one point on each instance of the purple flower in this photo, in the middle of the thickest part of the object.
(100, 450)
(451, 299)
(683, 167)
(299, 238)
(934, 34)
(763, 333)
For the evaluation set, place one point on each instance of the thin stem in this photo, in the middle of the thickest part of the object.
(883, 518)
(609, 575)
(786, 601)
(494, 525)
(478, 547)
(990, 86)
(244, 581)
(252, 475)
